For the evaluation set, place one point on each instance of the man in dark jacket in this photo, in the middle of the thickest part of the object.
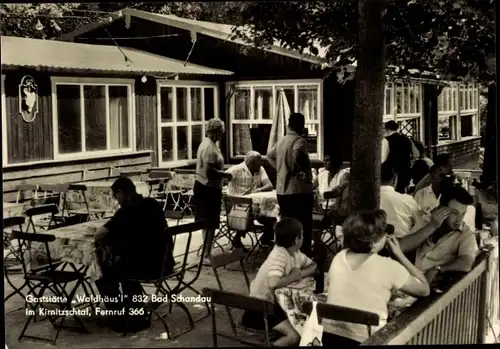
(294, 185)
(131, 245)
(398, 151)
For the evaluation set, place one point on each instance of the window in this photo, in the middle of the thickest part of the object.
(92, 116)
(458, 112)
(252, 109)
(448, 113)
(469, 110)
(403, 103)
(184, 110)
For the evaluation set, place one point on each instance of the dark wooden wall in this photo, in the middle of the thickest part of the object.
(146, 120)
(28, 141)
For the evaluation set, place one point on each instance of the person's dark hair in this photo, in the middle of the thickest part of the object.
(387, 173)
(391, 125)
(455, 192)
(335, 159)
(363, 229)
(296, 122)
(420, 147)
(442, 160)
(287, 230)
(123, 184)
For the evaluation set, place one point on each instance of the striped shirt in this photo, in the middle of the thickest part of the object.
(279, 263)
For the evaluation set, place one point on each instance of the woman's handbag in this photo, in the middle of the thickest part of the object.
(313, 331)
(240, 218)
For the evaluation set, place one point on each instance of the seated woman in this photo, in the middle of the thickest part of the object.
(334, 178)
(360, 278)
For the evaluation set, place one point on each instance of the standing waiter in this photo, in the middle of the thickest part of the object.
(294, 185)
(398, 151)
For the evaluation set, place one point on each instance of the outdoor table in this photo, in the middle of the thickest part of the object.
(100, 197)
(12, 209)
(73, 244)
(265, 203)
(292, 298)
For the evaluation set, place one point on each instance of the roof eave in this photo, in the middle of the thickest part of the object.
(189, 27)
(109, 71)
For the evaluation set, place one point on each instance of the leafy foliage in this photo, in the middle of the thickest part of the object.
(60, 18)
(453, 38)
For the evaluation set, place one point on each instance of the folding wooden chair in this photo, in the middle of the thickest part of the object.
(243, 204)
(45, 278)
(345, 314)
(22, 189)
(45, 224)
(158, 185)
(78, 205)
(325, 223)
(12, 261)
(181, 189)
(178, 277)
(54, 194)
(221, 261)
(239, 301)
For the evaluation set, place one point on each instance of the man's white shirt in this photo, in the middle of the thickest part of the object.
(402, 210)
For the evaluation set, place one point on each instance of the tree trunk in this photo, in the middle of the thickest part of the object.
(369, 98)
(491, 151)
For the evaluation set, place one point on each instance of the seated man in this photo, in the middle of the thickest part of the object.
(131, 245)
(428, 197)
(251, 177)
(450, 247)
(401, 209)
(420, 167)
(442, 161)
(335, 179)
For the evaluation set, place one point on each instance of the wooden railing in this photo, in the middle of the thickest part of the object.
(458, 315)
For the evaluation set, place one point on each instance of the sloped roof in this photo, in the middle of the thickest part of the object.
(216, 30)
(36, 53)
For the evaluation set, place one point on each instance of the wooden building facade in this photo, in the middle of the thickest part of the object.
(69, 117)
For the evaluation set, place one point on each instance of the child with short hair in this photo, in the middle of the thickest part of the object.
(284, 265)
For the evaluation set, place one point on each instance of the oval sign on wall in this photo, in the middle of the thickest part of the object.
(28, 98)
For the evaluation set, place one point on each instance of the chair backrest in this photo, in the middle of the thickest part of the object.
(155, 174)
(227, 258)
(13, 221)
(54, 188)
(21, 188)
(345, 314)
(42, 209)
(186, 230)
(238, 301)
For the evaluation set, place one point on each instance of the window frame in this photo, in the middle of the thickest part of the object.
(465, 102)
(391, 113)
(189, 122)
(94, 81)
(274, 85)
(5, 143)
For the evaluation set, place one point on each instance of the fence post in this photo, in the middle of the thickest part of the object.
(483, 293)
